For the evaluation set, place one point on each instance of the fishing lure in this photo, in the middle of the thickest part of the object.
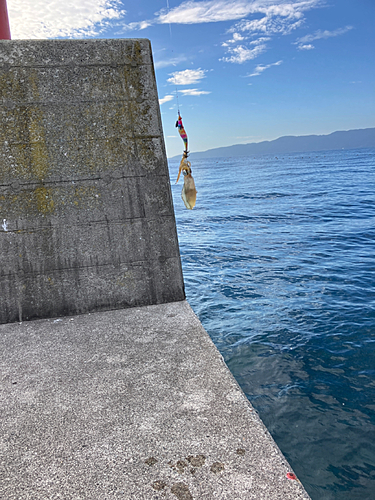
(189, 192)
(182, 132)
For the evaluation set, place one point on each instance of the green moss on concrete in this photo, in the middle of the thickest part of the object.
(44, 200)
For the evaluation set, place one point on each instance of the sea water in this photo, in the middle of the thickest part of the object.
(279, 265)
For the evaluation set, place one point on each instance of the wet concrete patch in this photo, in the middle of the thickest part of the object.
(181, 491)
(196, 461)
(151, 461)
(159, 485)
(217, 467)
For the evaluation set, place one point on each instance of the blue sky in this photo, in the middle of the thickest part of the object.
(244, 70)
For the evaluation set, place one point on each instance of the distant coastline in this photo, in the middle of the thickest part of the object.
(350, 139)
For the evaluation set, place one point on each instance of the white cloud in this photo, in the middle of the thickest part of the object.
(269, 25)
(164, 63)
(165, 99)
(194, 92)
(137, 26)
(56, 18)
(256, 25)
(241, 54)
(206, 12)
(274, 17)
(278, 17)
(210, 11)
(260, 40)
(187, 77)
(322, 34)
(260, 68)
(306, 47)
(236, 38)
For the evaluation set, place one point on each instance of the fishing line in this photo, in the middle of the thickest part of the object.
(170, 36)
(170, 28)
(189, 192)
(178, 106)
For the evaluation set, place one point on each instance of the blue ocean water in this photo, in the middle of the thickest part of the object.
(279, 265)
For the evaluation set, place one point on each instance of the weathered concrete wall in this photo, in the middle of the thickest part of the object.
(86, 214)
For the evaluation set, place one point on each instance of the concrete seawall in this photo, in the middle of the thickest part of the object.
(115, 391)
(86, 215)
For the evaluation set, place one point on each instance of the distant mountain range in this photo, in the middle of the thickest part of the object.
(350, 139)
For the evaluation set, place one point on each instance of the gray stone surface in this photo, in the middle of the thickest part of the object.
(86, 214)
(129, 404)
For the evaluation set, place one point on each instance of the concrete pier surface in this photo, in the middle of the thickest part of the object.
(129, 404)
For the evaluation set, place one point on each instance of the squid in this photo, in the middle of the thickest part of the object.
(189, 192)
